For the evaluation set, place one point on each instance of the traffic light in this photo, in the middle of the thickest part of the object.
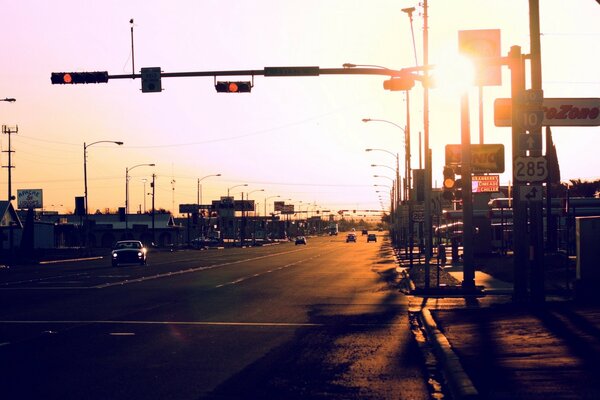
(233, 87)
(449, 183)
(396, 84)
(69, 78)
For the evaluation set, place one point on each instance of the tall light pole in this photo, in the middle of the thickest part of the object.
(85, 147)
(267, 198)
(200, 187)
(407, 155)
(228, 189)
(127, 189)
(249, 193)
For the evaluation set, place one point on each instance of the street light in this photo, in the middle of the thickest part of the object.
(267, 198)
(249, 193)
(228, 189)
(9, 99)
(127, 189)
(200, 187)
(85, 146)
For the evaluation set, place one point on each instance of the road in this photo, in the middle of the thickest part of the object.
(273, 322)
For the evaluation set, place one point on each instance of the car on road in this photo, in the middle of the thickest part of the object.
(129, 252)
(364, 232)
(371, 237)
(351, 238)
(300, 240)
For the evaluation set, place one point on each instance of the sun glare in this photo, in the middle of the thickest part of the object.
(454, 75)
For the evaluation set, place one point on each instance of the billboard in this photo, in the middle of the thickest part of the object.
(29, 198)
(485, 158)
(482, 46)
(279, 205)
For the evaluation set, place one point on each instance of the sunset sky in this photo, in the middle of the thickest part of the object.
(299, 138)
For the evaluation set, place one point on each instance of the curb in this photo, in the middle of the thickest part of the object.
(458, 381)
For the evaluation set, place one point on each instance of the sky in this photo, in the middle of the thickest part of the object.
(299, 138)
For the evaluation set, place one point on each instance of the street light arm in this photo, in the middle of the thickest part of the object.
(384, 120)
(102, 141)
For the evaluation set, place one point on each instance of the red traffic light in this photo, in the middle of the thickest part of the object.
(396, 84)
(78, 77)
(233, 87)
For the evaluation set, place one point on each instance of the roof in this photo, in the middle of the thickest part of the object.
(8, 215)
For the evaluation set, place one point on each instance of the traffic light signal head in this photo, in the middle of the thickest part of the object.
(396, 84)
(68, 78)
(449, 183)
(449, 178)
(233, 87)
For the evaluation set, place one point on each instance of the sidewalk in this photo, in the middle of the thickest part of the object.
(492, 348)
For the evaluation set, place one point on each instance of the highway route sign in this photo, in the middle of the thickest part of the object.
(530, 169)
(531, 193)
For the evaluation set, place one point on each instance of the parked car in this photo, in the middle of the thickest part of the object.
(371, 237)
(351, 238)
(129, 252)
(300, 240)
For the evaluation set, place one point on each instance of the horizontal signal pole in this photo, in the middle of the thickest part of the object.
(280, 71)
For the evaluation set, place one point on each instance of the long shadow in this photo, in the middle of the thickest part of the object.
(480, 355)
(579, 345)
(302, 368)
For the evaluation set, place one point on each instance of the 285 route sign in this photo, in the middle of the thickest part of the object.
(530, 169)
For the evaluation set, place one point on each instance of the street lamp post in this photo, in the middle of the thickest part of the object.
(200, 186)
(127, 190)
(397, 198)
(233, 216)
(85, 147)
(199, 201)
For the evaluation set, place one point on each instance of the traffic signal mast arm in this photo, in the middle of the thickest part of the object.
(68, 77)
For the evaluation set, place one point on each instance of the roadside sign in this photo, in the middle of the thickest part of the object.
(556, 112)
(532, 97)
(29, 198)
(531, 193)
(529, 142)
(532, 117)
(485, 183)
(530, 169)
(485, 158)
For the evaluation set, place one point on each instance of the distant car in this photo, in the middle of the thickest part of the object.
(351, 238)
(371, 237)
(129, 252)
(300, 240)
(364, 232)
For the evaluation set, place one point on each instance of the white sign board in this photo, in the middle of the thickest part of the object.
(29, 198)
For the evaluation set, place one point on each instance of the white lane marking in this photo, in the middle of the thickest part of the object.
(4, 344)
(189, 270)
(242, 279)
(122, 334)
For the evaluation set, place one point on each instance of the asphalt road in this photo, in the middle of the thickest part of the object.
(275, 322)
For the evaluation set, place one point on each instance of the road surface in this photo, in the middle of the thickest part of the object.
(273, 322)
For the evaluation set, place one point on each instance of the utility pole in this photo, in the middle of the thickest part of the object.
(537, 223)
(427, 195)
(153, 184)
(8, 131)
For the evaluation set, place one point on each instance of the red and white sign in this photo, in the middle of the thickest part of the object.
(557, 112)
(485, 183)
